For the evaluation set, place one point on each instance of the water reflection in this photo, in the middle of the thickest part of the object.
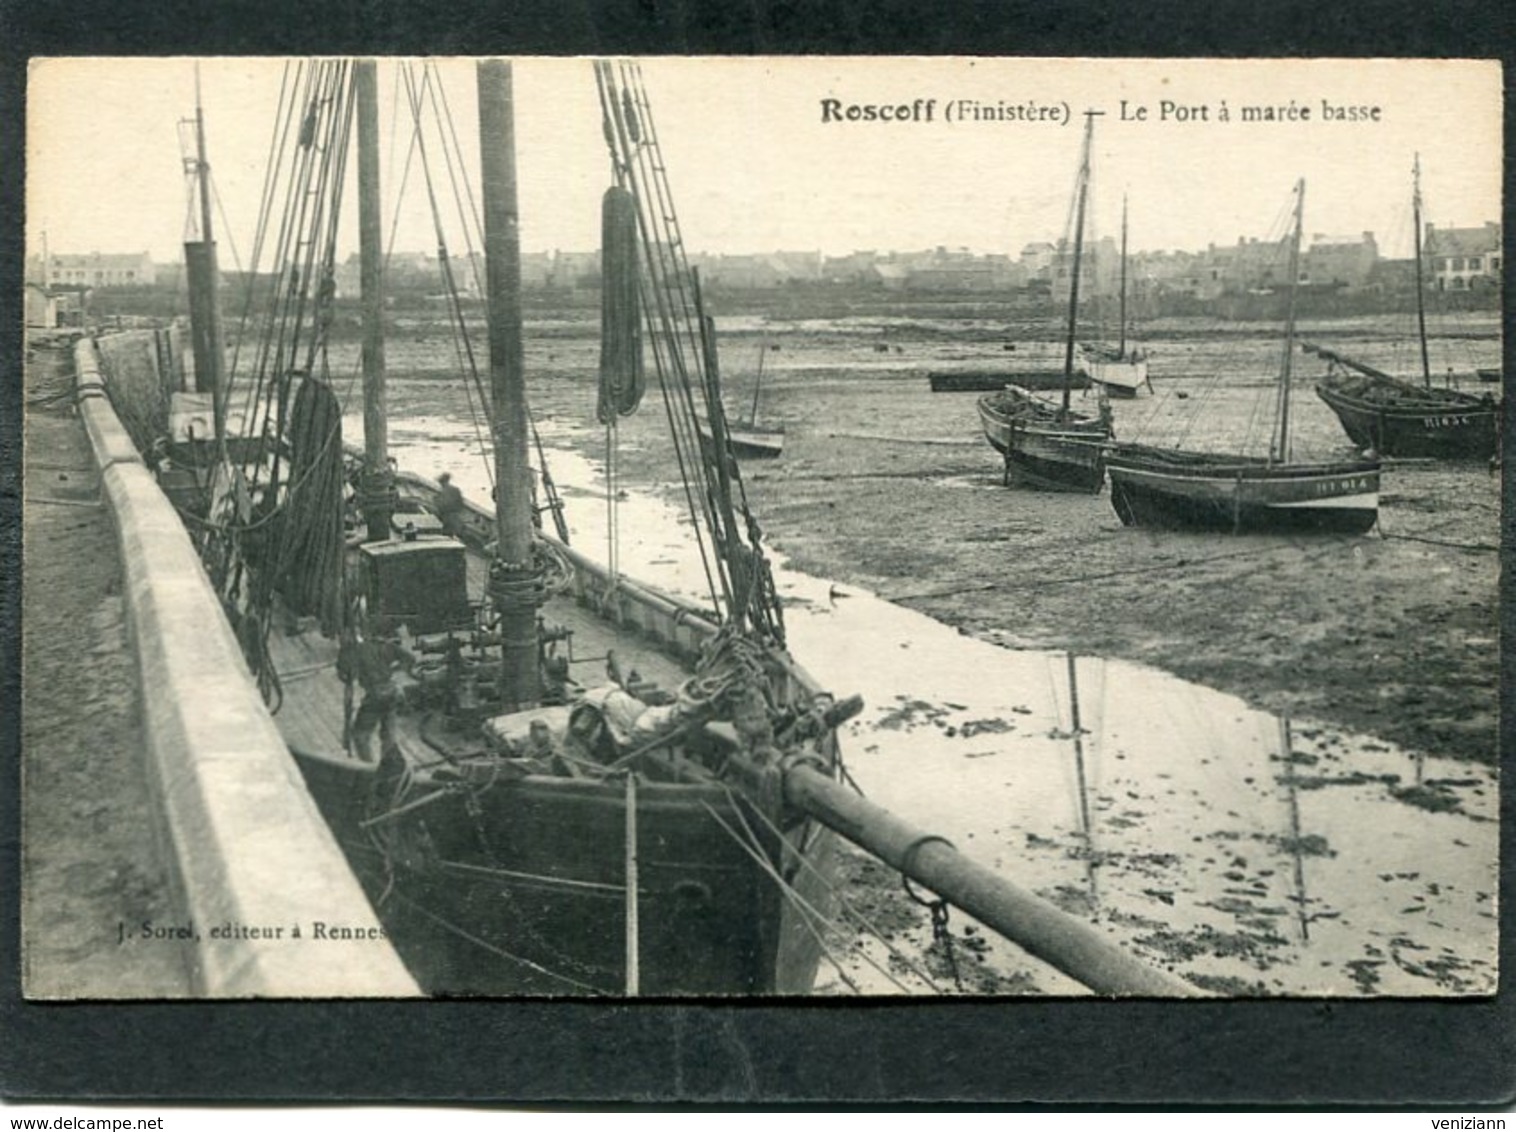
(1248, 854)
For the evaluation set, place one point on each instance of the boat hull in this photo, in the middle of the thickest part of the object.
(981, 382)
(532, 873)
(524, 880)
(1185, 490)
(1040, 450)
(1401, 421)
(1120, 377)
(748, 443)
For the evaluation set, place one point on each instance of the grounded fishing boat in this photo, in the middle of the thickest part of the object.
(747, 439)
(586, 784)
(972, 381)
(1173, 487)
(1045, 444)
(1394, 417)
(1120, 370)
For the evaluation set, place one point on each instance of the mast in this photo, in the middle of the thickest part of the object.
(514, 579)
(763, 348)
(1121, 347)
(1084, 184)
(204, 284)
(1279, 450)
(1421, 313)
(377, 493)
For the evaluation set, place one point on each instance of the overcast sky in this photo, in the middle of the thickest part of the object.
(754, 167)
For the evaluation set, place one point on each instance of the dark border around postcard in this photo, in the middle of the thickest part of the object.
(1261, 1053)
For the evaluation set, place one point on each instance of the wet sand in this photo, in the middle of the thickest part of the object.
(1360, 858)
(890, 487)
(91, 855)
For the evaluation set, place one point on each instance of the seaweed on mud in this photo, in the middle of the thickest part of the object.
(909, 712)
(1229, 986)
(1241, 906)
(1296, 758)
(964, 969)
(1154, 860)
(1445, 970)
(984, 726)
(1365, 973)
(1178, 946)
(1307, 845)
(1353, 778)
(1130, 920)
(1431, 796)
(1075, 901)
(875, 892)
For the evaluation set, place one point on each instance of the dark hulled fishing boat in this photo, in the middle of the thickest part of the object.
(972, 381)
(1175, 487)
(1046, 444)
(1044, 447)
(1398, 418)
(1171, 487)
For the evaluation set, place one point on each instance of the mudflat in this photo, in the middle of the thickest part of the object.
(888, 486)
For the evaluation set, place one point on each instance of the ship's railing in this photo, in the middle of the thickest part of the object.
(251, 858)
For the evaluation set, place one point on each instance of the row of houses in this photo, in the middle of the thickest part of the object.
(1457, 259)
(96, 269)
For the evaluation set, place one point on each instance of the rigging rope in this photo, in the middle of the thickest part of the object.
(685, 359)
(843, 902)
(621, 376)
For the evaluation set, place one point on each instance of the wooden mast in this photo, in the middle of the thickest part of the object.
(1421, 312)
(1121, 346)
(1084, 184)
(752, 419)
(1280, 449)
(514, 578)
(204, 279)
(377, 493)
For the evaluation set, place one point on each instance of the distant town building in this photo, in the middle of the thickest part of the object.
(133, 269)
(1345, 261)
(1037, 260)
(761, 271)
(1099, 269)
(855, 267)
(962, 270)
(1463, 259)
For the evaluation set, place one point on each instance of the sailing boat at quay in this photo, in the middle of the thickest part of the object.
(1174, 487)
(1398, 418)
(1119, 370)
(585, 784)
(1046, 444)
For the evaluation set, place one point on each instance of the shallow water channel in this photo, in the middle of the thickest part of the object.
(1249, 854)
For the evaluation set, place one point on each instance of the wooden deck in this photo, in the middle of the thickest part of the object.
(310, 715)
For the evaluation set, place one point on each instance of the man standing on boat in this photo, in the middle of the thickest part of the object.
(449, 506)
(371, 660)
